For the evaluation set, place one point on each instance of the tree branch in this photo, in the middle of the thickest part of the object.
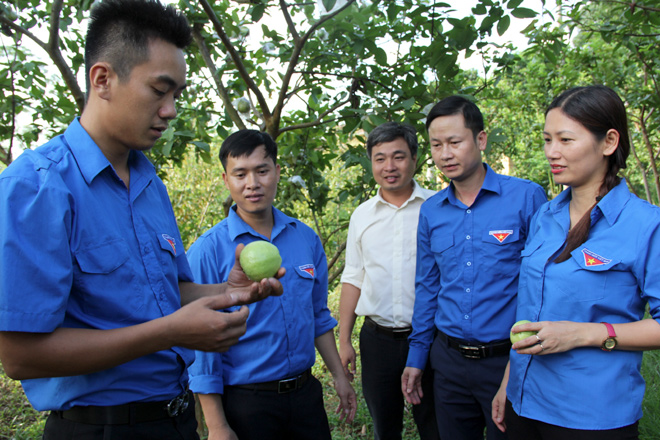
(649, 149)
(344, 75)
(23, 31)
(224, 95)
(317, 121)
(289, 21)
(6, 154)
(336, 256)
(293, 61)
(56, 55)
(335, 274)
(631, 5)
(338, 229)
(642, 171)
(53, 50)
(235, 56)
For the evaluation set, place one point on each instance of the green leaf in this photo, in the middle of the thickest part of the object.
(168, 134)
(167, 148)
(503, 25)
(497, 135)
(257, 12)
(329, 4)
(480, 9)
(408, 103)
(380, 56)
(523, 13)
(202, 145)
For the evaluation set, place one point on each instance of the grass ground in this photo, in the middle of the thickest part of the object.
(18, 420)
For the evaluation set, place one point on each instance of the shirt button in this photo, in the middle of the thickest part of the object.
(469, 263)
(467, 237)
(467, 290)
(466, 317)
(469, 211)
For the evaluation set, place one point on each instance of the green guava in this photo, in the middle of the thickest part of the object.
(243, 105)
(515, 337)
(260, 259)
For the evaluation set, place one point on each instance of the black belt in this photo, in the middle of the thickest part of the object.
(128, 413)
(477, 350)
(281, 386)
(392, 332)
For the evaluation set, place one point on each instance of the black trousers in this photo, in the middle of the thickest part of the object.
(383, 361)
(183, 427)
(464, 390)
(522, 428)
(268, 415)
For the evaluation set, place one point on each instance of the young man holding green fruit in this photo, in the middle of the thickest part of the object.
(469, 240)
(263, 387)
(98, 314)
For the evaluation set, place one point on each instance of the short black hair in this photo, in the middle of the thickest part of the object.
(458, 105)
(391, 131)
(119, 32)
(244, 142)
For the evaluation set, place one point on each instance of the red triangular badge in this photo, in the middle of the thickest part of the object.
(500, 235)
(593, 259)
(309, 268)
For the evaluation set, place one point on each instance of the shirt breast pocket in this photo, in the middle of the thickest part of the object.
(589, 283)
(501, 251)
(104, 282)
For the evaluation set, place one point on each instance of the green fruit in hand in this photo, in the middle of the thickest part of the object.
(515, 337)
(260, 259)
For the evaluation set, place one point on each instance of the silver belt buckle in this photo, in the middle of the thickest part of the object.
(287, 385)
(178, 405)
(472, 352)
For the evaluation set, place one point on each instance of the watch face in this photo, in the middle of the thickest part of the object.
(610, 343)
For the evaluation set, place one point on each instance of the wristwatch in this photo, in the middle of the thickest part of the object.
(610, 342)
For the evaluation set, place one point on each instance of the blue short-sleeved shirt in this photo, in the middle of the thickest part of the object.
(279, 341)
(79, 250)
(609, 278)
(468, 260)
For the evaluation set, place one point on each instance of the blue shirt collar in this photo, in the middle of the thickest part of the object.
(612, 204)
(609, 207)
(491, 183)
(237, 226)
(92, 161)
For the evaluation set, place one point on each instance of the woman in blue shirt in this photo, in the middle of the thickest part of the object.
(588, 271)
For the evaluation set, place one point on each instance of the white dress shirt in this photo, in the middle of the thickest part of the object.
(381, 250)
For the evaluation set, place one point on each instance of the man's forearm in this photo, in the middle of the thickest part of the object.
(192, 291)
(73, 351)
(347, 304)
(327, 348)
